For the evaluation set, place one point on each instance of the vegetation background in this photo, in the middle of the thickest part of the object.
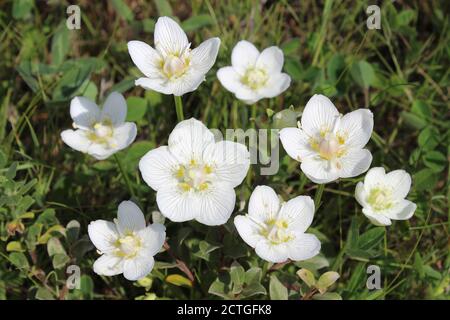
(49, 192)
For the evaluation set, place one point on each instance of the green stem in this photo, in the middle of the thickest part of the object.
(179, 108)
(318, 195)
(124, 175)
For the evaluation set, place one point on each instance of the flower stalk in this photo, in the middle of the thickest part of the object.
(179, 108)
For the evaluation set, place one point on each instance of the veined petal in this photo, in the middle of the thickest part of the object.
(138, 267)
(355, 162)
(153, 237)
(298, 213)
(319, 115)
(103, 235)
(248, 230)
(84, 112)
(402, 211)
(356, 128)
(187, 83)
(156, 84)
(130, 217)
(76, 139)
(174, 204)
(296, 143)
(360, 194)
(230, 161)
(169, 37)
(271, 59)
(276, 85)
(115, 109)
(157, 167)
(319, 170)
(204, 56)
(108, 265)
(188, 140)
(145, 58)
(275, 253)
(374, 177)
(100, 151)
(376, 218)
(264, 203)
(215, 205)
(304, 246)
(243, 56)
(400, 182)
(124, 135)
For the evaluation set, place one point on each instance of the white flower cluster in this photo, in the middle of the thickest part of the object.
(195, 176)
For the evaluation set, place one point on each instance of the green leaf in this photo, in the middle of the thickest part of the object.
(412, 120)
(72, 231)
(335, 66)
(21, 9)
(404, 18)
(44, 294)
(421, 109)
(123, 10)
(59, 260)
(164, 8)
(137, 107)
(19, 260)
(54, 246)
(293, 68)
(371, 239)
(425, 179)
(285, 118)
(428, 138)
(277, 290)
(71, 81)
(363, 73)
(237, 274)
(179, 280)
(14, 246)
(135, 153)
(60, 44)
(87, 287)
(3, 159)
(197, 22)
(326, 280)
(307, 277)
(315, 263)
(327, 296)
(435, 160)
(291, 46)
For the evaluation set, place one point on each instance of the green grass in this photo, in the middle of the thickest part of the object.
(401, 72)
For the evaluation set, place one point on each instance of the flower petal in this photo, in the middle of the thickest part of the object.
(243, 56)
(248, 230)
(230, 161)
(115, 109)
(319, 170)
(319, 115)
(174, 204)
(264, 204)
(157, 167)
(145, 58)
(138, 267)
(108, 265)
(374, 177)
(356, 128)
(355, 162)
(215, 205)
(271, 59)
(296, 143)
(124, 135)
(231, 80)
(298, 213)
(76, 139)
(204, 56)
(188, 140)
(400, 182)
(130, 217)
(100, 151)
(156, 84)
(275, 253)
(376, 218)
(103, 235)
(304, 246)
(153, 237)
(403, 211)
(84, 112)
(276, 84)
(360, 194)
(187, 83)
(169, 37)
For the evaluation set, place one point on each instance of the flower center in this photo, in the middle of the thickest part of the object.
(194, 176)
(255, 78)
(175, 66)
(276, 231)
(101, 132)
(128, 246)
(329, 146)
(380, 198)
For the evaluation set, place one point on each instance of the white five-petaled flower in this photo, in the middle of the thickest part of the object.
(126, 245)
(194, 176)
(253, 75)
(99, 133)
(277, 231)
(382, 196)
(329, 145)
(172, 67)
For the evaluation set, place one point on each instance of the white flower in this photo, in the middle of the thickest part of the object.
(99, 133)
(126, 246)
(329, 145)
(382, 196)
(172, 67)
(277, 232)
(194, 176)
(253, 75)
